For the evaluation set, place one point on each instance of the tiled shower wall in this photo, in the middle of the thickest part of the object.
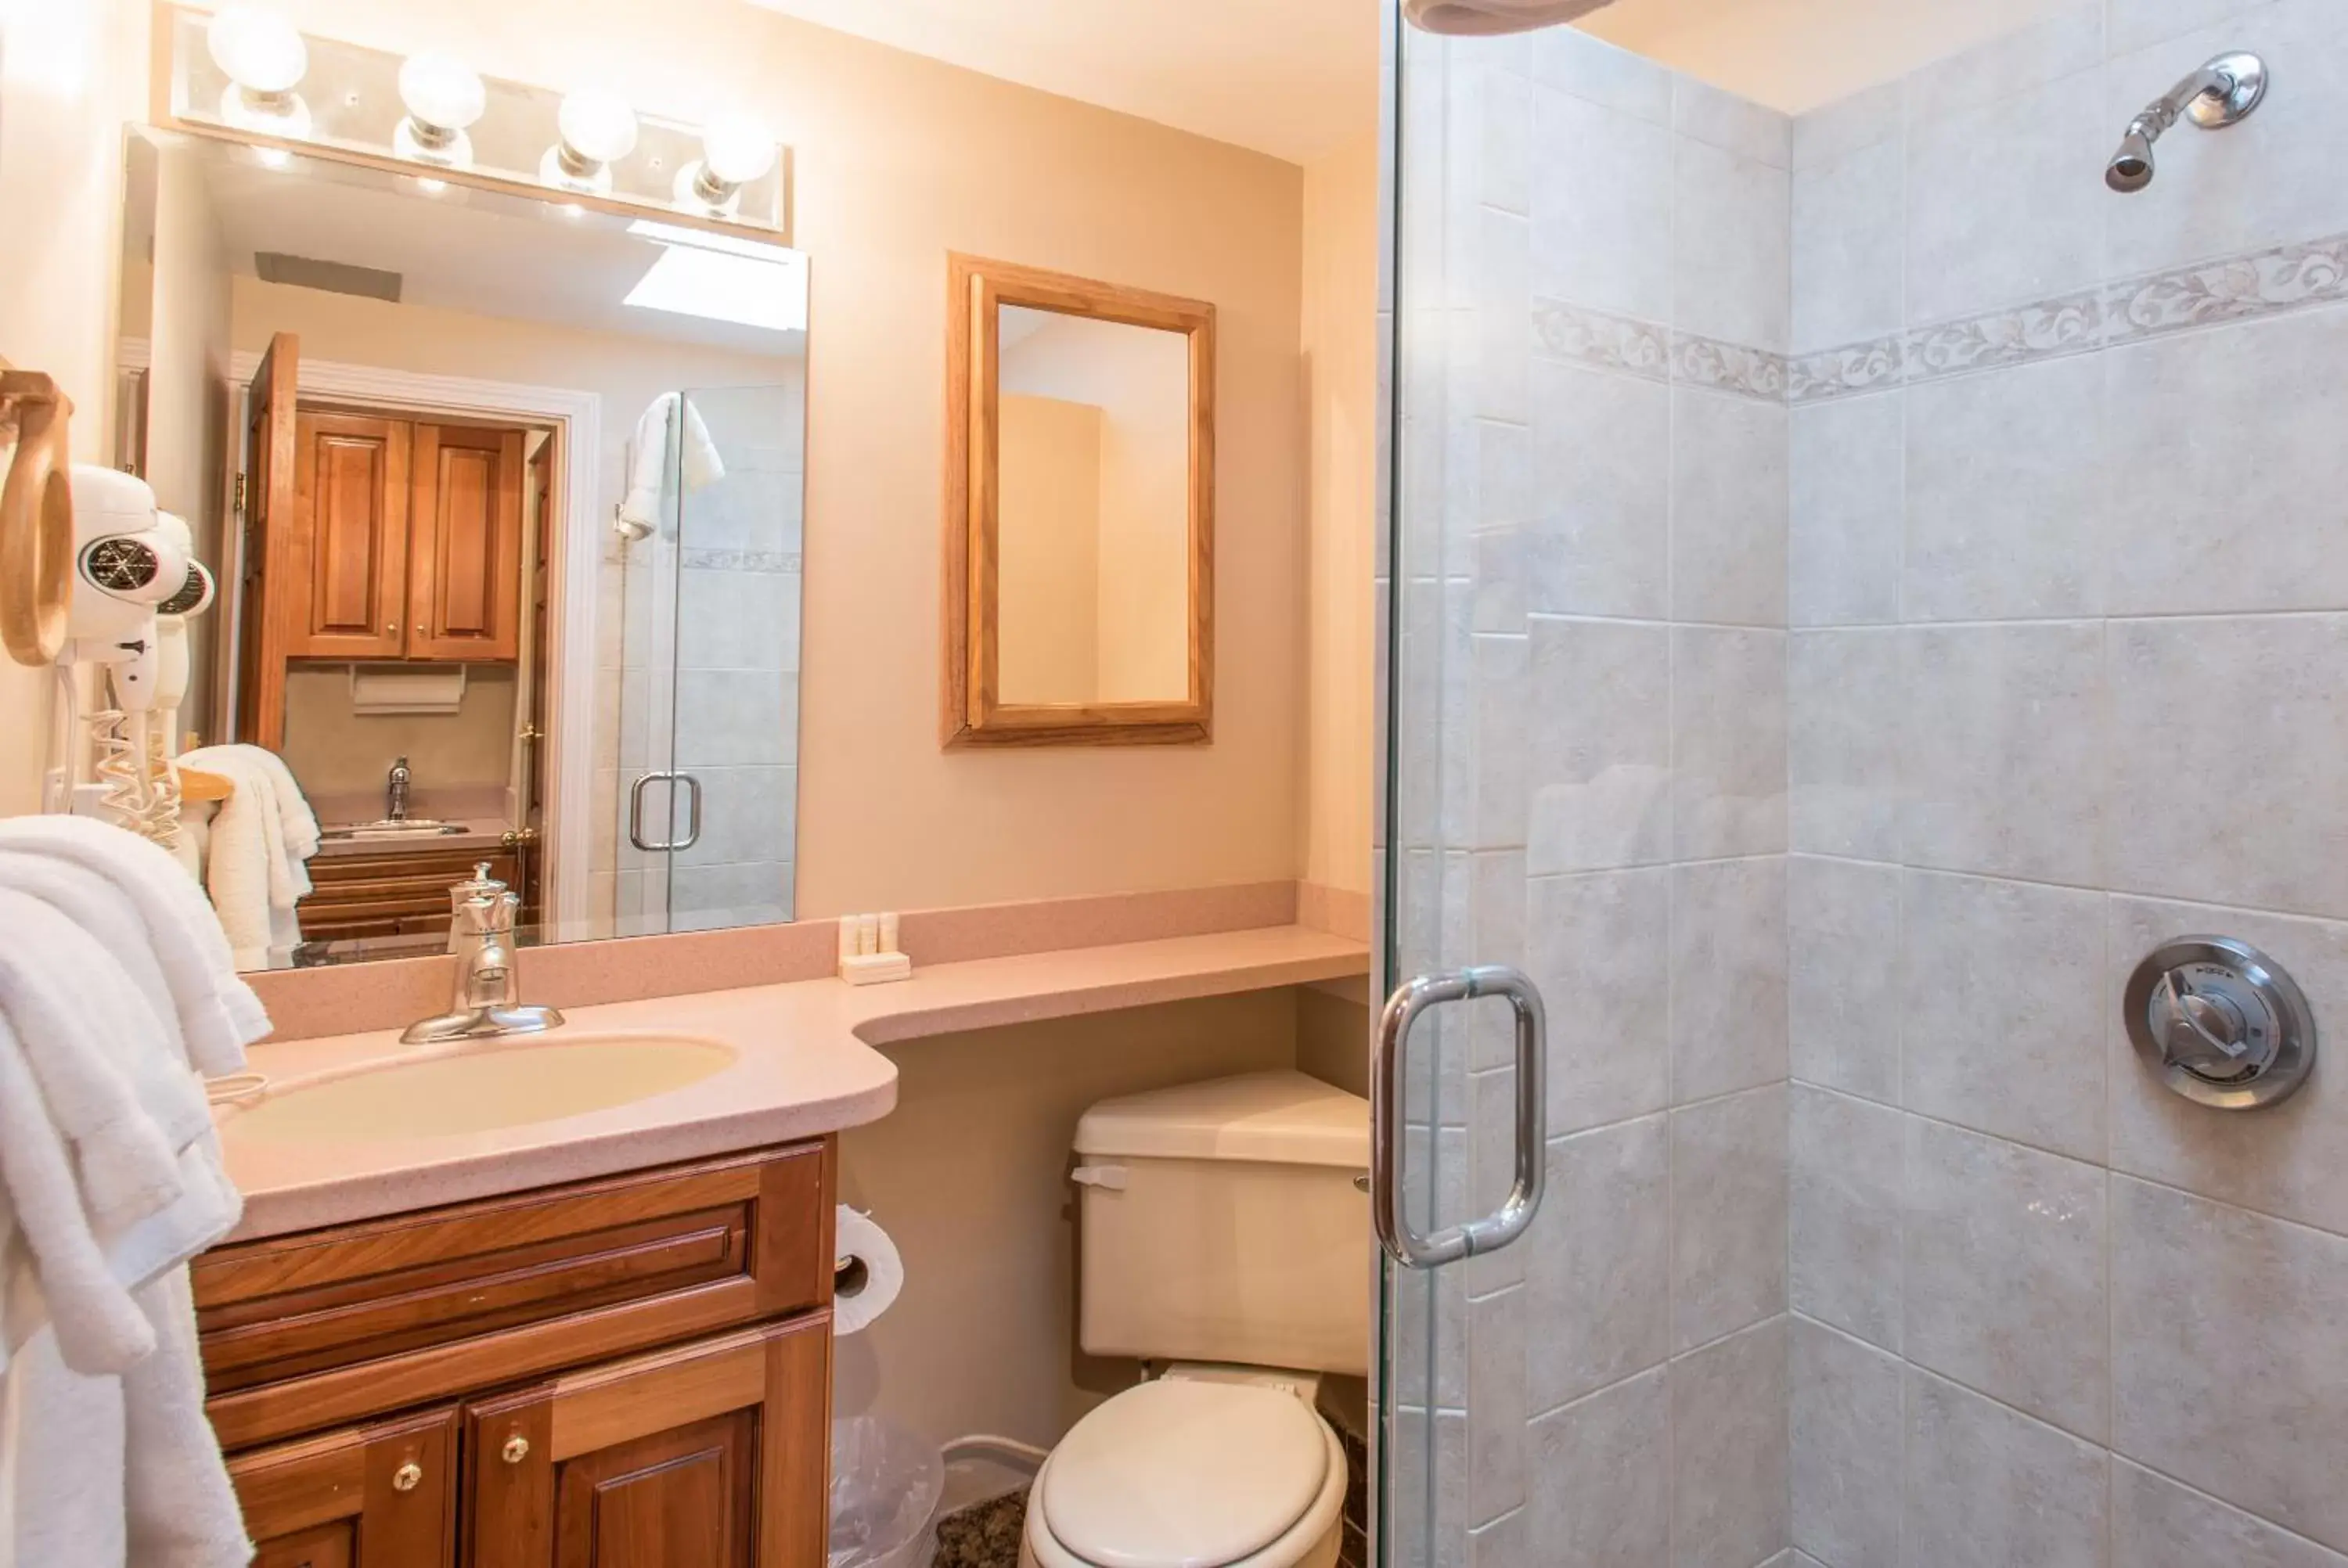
(1594, 301)
(2069, 677)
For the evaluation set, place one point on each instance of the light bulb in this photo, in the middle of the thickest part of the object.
(736, 149)
(443, 96)
(597, 129)
(258, 50)
(263, 58)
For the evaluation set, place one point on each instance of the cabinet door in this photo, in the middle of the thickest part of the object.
(350, 554)
(379, 1496)
(464, 560)
(712, 1455)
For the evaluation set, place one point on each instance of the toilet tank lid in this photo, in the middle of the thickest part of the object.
(1281, 1117)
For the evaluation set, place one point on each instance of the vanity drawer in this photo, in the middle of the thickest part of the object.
(305, 1331)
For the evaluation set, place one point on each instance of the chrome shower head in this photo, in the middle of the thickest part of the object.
(2130, 168)
(2218, 95)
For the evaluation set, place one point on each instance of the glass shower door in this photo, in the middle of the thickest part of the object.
(1586, 786)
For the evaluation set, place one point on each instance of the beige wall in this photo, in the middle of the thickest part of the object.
(897, 160)
(68, 72)
(335, 753)
(1341, 294)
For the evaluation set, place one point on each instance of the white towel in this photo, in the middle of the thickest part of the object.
(697, 463)
(297, 825)
(253, 878)
(117, 1087)
(1480, 16)
(97, 1338)
(219, 1014)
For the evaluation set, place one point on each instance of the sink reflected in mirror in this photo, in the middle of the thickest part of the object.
(410, 827)
(474, 1088)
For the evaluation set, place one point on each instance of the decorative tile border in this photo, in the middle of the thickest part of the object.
(2237, 288)
(1847, 370)
(2210, 294)
(737, 560)
(1728, 367)
(1607, 341)
(1656, 353)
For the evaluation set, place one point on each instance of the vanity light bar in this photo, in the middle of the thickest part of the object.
(243, 73)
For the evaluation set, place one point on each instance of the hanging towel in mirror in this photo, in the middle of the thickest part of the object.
(1494, 16)
(697, 463)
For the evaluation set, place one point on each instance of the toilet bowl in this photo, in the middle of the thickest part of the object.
(1216, 1468)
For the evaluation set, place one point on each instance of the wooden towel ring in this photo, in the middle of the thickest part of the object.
(36, 519)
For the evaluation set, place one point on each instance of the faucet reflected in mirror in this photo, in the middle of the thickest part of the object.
(431, 646)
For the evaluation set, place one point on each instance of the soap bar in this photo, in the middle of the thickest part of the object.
(873, 969)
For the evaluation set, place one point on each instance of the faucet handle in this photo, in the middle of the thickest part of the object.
(480, 884)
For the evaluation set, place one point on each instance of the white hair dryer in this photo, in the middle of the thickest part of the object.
(135, 581)
(130, 568)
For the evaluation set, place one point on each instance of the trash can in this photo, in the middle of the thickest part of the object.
(885, 1485)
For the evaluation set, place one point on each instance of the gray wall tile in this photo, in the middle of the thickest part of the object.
(1848, 1195)
(2004, 750)
(1728, 742)
(1844, 539)
(1842, 932)
(1599, 1269)
(1987, 1487)
(1846, 1442)
(2001, 1017)
(1728, 1215)
(1729, 1494)
(2005, 1274)
(2192, 821)
(1728, 977)
(2257, 1418)
(1599, 947)
(2005, 495)
(1605, 1500)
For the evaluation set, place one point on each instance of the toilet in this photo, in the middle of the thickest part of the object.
(1222, 1239)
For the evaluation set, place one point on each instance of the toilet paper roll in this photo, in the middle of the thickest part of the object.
(867, 1273)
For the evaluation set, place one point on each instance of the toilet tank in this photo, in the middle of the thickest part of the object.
(1220, 1221)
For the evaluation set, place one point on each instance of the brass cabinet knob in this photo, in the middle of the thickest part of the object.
(517, 1449)
(408, 1477)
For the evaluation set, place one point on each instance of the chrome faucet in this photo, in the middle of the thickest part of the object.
(488, 997)
(395, 793)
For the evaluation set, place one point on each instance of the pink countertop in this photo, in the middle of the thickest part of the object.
(806, 1065)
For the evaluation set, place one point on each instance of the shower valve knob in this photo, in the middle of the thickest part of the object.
(2221, 1022)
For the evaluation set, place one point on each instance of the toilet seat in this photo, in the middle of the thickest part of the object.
(1190, 1474)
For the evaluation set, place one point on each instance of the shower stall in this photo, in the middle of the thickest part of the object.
(1857, 586)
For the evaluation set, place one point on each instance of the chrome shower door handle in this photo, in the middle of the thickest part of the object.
(636, 813)
(1510, 1220)
(692, 812)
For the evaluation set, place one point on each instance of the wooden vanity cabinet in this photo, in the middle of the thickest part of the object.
(633, 1372)
(376, 1496)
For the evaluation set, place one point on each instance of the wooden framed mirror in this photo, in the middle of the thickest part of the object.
(1079, 516)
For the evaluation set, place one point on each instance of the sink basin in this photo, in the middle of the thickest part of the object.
(410, 827)
(476, 1087)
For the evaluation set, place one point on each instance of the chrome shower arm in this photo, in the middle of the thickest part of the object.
(2216, 96)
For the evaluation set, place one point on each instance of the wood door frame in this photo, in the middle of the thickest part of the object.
(578, 416)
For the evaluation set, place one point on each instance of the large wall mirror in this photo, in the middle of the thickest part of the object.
(1079, 511)
(502, 496)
